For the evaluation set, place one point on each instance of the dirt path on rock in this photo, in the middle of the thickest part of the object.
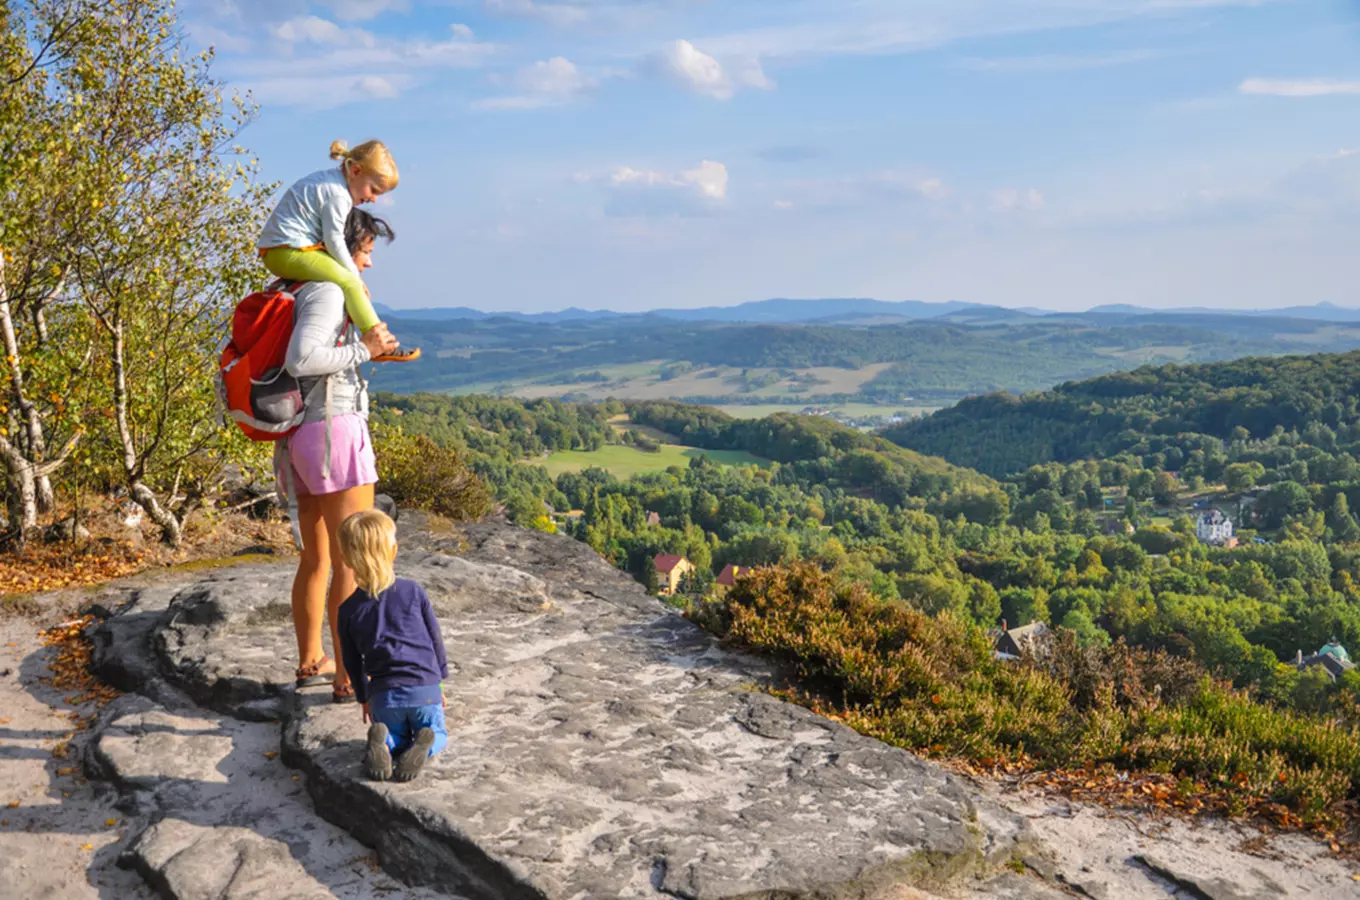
(59, 834)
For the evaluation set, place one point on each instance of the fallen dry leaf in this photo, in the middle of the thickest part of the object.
(270, 754)
(13, 804)
(87, 846)
(110, 822)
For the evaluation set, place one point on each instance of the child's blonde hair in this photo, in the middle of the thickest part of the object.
(368, 542)
(372, 158)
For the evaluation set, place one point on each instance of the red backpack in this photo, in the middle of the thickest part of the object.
(254, 387)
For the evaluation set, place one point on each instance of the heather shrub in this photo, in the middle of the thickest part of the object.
(417, 472)
(932, 684)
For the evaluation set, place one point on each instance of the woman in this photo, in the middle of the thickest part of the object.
(327, 467)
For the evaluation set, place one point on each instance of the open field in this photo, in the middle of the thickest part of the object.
(1141, 355)
(643, 382)
(625, 462)
(852, 410)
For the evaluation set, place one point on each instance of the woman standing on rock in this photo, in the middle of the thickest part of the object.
(326, 467)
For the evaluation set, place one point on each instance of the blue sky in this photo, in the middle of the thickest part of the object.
(660, 153)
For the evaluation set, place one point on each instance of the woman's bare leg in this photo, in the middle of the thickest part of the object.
(309, 585)
(335, 508)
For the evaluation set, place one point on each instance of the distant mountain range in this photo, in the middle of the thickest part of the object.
(862, 311)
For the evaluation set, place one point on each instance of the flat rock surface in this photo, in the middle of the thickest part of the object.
(59, 832)
(1115, 855)
(600, 745)
(223, 818)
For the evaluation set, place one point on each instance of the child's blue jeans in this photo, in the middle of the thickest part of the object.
(403, 722)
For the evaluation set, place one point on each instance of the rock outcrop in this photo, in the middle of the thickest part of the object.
(601, 746)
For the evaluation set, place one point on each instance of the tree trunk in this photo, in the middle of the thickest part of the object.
(171, 526)
(21, 495)
(35, 450)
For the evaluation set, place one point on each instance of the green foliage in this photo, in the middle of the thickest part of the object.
(932, 684)
(127, 225)
(417, 472)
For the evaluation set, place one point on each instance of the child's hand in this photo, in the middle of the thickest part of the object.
(367, 717)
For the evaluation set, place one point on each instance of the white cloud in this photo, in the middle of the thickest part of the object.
(550, 82)
(709, 179)
(462, 31)
(1056, 63)
(553, 13)
(376, 86)
(330, 66)
(1298, 87)
(205, 35)
(1015, 198)
(695, 70)
(363, 10)
(783, 204)
(820, 28)
(558, 76)
(645, 192)
(329, 91)
(933, 189)
(315, 30)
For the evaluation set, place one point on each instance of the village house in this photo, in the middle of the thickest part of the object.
(727, 578)
(1332, 657)
(1215, 528)
(1011, 643)
(1115, 527)
(670, 569)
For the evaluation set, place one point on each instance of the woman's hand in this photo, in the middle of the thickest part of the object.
(379, 340)
(367, 718)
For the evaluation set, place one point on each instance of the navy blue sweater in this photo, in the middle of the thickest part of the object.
(392, 641)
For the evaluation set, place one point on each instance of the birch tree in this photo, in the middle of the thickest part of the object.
(133, 216)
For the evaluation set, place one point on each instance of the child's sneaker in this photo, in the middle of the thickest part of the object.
(378, 759)
(400, 354)
(411, 762)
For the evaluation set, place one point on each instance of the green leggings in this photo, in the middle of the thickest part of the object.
(318, 265)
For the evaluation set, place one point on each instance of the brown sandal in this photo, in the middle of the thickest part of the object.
(314, 674)
(343, 693)
(399, 355)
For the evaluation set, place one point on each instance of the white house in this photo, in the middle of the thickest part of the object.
(1213, 527)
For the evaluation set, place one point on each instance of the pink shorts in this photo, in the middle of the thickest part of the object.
(352, 460)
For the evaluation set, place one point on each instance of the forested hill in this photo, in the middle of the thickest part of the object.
(1148, 409)
(818, 447)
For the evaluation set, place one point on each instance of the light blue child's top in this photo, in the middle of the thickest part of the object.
(312, 212)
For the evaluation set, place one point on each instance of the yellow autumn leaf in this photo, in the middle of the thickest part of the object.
(110, 822)
(270, 754)
(87, 846)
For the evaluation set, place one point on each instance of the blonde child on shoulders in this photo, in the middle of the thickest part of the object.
(304, 237)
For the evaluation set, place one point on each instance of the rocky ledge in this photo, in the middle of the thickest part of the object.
(601, 746)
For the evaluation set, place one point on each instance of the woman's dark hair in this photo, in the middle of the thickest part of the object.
(361, 226)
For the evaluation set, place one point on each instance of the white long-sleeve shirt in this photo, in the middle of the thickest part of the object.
(313, 355)
(313, 212)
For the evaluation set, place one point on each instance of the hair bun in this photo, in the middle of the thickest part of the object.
(339, 149)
